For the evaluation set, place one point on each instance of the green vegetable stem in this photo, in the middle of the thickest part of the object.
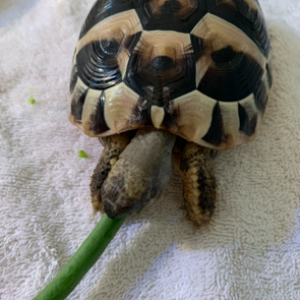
(84, 258)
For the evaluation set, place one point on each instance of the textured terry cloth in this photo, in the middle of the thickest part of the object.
(250, 250)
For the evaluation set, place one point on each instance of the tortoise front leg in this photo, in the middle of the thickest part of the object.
(195, 167)
(113, 147)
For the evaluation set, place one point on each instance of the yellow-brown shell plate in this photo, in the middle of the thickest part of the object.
(197, 68)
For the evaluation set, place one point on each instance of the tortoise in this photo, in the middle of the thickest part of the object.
(164, 84)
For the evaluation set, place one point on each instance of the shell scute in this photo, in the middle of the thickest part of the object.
(98, 65)
(232, 76)
(161, 67)
(175, 15)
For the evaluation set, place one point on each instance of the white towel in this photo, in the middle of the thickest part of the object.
(250, 250)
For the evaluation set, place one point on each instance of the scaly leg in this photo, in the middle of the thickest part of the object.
(113, 147)
(195, 167)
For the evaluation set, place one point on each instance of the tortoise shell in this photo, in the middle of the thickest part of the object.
(197, 68)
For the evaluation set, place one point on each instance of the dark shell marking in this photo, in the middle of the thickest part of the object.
(197, 68)
(215, 133)
(97, 64)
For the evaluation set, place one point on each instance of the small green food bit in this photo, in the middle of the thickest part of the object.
(31, 100)
(82, 154)
(32, 88)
